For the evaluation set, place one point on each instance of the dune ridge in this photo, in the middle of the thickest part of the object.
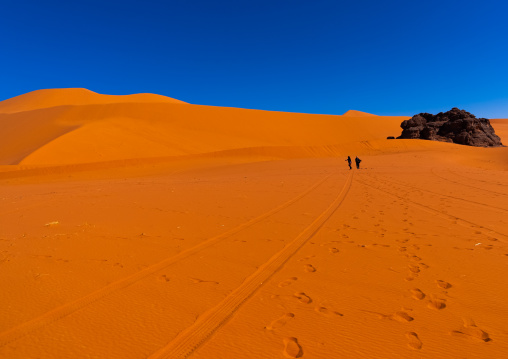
(355, 113)
(67, 127)
(74, 96)
(85, 132)
(133, 229)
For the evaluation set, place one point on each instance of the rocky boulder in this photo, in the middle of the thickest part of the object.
(457, 126)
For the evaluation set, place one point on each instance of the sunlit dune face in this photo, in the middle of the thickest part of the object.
(89, 127)
(140, 229)
(74, 97)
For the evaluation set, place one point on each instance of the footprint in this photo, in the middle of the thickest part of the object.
(402, 317)
(303, 298)
(471, 330)
(287, 282)
(414, 269)
(468, 322)
(413, 341)
(197, 280)
(417, 294)
(326, 311)
(291, 348)
(443, 284)
(164, 278)
(305, 259)
(278, 323)
(309, 268)
(333, 250)
(436, 304)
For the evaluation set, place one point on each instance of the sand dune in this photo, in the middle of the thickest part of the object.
(131, 229)
(501, 128)
(354, 113)
(84, 133)
(74, 97)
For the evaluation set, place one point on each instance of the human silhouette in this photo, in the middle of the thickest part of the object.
(357, 160)
(349, 162)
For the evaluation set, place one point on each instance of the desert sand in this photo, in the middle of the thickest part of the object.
(141, 226)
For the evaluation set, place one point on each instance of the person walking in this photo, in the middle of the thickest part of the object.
(357, 160)
(349, 162)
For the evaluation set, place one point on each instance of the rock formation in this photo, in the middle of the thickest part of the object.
(457, 126)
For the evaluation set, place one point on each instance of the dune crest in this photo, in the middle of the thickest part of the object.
(74, 96)
(354, 113)
(159, 230)
(69, 126)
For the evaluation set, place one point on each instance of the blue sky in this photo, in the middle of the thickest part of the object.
(320, 56)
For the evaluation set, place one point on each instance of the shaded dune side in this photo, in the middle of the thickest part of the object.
(21, 135)
(74, 96)
(98, 133)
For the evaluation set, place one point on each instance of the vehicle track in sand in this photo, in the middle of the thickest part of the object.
(62, 311)
(497, 183)
(478, 227)
(437, 193)
(212, 320)
(467, 184)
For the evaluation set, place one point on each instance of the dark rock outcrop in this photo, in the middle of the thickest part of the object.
(457, 126)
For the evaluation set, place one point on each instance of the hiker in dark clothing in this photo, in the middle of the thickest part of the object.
(349, 162)
(357, 160)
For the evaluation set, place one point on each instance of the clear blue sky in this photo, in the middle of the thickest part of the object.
(320, 56)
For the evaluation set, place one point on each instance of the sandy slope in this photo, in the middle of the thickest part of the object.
(91, 132)
(501, 128)
(74, 97)
(240, 234)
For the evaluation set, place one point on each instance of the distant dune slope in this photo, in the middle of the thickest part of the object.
(74, 96)
(126, 127)
(354, 113)
(501, 128)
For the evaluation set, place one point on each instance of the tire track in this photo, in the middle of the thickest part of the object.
(468, 185)
(439, 194)
(447, 216)
(212, 320)
(498, 183)
(71, 307)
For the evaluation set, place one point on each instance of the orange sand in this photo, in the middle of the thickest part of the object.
(140, 227)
